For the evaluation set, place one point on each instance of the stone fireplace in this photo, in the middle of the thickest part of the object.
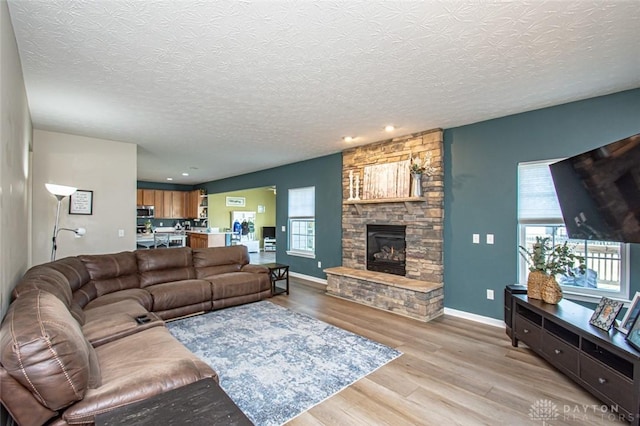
(418, 290)
(386, 249)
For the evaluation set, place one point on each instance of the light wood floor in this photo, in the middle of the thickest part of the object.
(452, 372)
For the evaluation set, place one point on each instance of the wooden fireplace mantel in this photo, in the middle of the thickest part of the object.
(406, 200)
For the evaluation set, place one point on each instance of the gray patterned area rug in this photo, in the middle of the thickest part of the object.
(275, 363)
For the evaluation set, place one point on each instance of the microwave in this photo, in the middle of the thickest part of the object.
(145, 211)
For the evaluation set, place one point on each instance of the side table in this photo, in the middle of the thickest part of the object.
(278, 272)
(202, 403)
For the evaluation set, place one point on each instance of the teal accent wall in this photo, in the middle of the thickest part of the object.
(481, 188)
(165, 186)
(325, 173)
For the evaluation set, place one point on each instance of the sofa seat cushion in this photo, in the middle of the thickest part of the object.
(179, 293)
(141, 296)
(137, 367)
(116, 320)
(235, 284)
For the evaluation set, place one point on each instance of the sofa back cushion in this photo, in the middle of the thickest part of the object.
(42, 347)
(73, 269)
(43, 277)
(110, 273)
(219, 260)
(164, 265)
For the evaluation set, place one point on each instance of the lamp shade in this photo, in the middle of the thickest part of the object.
(60, 190)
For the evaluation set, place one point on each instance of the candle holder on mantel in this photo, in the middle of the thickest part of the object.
(416, 184)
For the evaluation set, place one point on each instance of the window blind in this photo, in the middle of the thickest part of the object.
(537, 200)
(302, 202)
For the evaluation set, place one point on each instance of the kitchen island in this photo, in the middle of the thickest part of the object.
(204, 239)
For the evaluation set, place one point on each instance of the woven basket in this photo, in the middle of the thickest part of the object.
(551, 291)
(534, 284)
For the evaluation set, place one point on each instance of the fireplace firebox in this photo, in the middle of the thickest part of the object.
(386, 249)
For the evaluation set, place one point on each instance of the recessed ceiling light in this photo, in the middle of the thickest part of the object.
(389, 128)
(348, 138)
(169, 178)
(185, 174)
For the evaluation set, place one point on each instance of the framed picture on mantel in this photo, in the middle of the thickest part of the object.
(81, 202)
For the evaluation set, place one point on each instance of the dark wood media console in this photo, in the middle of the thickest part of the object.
(601, 362)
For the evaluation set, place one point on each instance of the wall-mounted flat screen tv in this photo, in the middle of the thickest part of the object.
(599, 192)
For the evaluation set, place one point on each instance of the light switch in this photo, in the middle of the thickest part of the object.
(489, 238)
(476, 238)
(284, 228)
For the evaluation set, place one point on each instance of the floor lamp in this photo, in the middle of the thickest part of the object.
(60, 192)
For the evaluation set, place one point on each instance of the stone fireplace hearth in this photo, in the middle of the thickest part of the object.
(418, 290)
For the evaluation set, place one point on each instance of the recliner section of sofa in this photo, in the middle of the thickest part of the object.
(71, 345)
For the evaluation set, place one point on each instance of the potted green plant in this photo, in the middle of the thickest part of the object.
(545, 262)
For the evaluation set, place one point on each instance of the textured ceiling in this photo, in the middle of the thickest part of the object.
(223, 88)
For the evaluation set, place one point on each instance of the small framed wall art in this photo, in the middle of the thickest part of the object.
(235, 201)
(81, 202)
(605, 313)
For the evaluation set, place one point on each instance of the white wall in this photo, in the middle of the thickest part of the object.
(107, 168)
(15, 138)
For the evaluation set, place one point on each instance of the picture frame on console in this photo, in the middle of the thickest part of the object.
(605, 313)
(631, 315)
(633, 336)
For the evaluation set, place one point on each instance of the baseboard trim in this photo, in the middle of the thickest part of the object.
(308, 278)
(474, 317)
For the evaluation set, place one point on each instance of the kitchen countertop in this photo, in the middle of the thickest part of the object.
(204, 231)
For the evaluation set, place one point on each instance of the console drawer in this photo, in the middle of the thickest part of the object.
(612, 385)
(560, 353)
(528, 332)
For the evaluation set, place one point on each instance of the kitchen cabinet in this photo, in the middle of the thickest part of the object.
(170, 204)
(145, 197)
(159, 203)
(178, 204)
(192, 204)
(167, 204)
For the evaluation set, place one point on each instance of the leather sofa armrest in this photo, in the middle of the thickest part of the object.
(20, 402)
(256, 269)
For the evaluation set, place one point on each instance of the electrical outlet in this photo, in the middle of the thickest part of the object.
(489, 238)
(319, 264)
(120, 232)
(160, 223)
(489, 294)
(476, 238)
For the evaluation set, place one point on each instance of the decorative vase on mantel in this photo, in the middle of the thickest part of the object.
(551, 292)
(416, 184)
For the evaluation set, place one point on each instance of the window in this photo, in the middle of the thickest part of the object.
(302, 222)
(539, 215)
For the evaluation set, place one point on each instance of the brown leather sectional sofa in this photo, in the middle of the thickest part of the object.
(72, 346)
